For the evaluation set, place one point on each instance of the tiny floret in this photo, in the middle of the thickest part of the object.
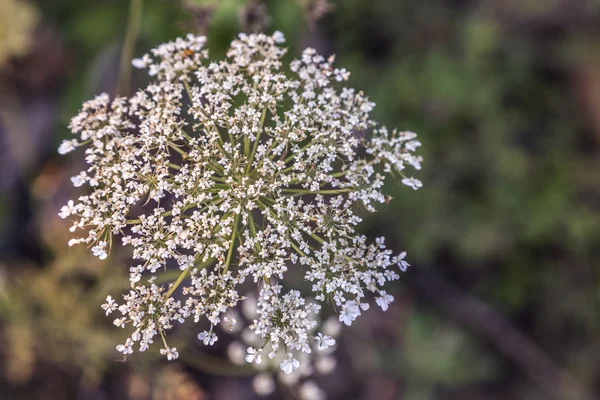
(324, 341)
(289, 364)
(253, 356)
(208, 338)
(171, 353)
(350, 311)
(384, 300)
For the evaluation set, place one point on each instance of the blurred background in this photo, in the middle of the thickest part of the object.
(503, 297)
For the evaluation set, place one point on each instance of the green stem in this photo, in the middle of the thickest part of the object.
(317, 238)
(177, 149)
(264, 206)
(297, 249)
(291, 157)
(251, 223)
(246, 147)
(339, 174)
(303, 191)
(177, 282)
(133, 29)
(256, 140)
(188, 90)
(232, 245)
(184, 274)
(288, 169)
(216, 167)
(164, 339)
(217, 179)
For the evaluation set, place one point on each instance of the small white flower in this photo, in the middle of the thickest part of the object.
(135, 274)
(208, 338)
(384, 300)
(324, 341)
(138, 63)
(185, 262)
(110, 305)
(403, 264)
(78, 180)
(350, 311)
(120, 322)
(67, 210)
(289, 364)
(126, 348)
(253, 355)
(171, 353)
(278, 37)
(100, 251)
(412, 183)
(66, 146)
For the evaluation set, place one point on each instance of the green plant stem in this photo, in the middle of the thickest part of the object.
(291, 157)
(177, 149)
(317, 238)
(256, 140)
(303, 191)
(188, 90)
(295, 246)
(134, 24)
(184, 274)
(177, 282)
(251, 224)
(232, 245)
(164, 339)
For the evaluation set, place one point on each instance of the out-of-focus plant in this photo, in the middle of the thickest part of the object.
(51, 321)
(18, 19)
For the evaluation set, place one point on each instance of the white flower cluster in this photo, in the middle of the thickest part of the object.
(238, 169)
(298, 375)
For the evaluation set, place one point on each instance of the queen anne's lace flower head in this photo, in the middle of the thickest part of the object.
(237, 169)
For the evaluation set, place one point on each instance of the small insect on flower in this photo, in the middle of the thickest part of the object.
(235, 169)
(230, 323)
